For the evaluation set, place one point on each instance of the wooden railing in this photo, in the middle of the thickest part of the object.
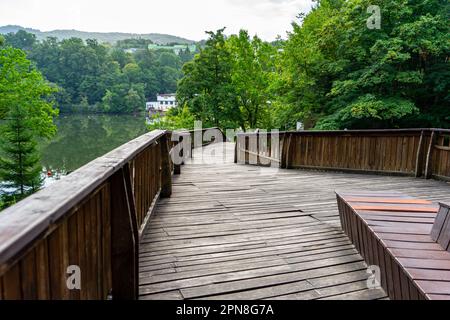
(194, 139)
(440, 155)
(91, 219)
(262, 149)
(414, 152)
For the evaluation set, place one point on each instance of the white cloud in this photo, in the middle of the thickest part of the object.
(187, 18)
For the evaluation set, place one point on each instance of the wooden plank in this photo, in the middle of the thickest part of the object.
(420, 155)
(1, 289)
(396, 279)
(12, 284)
(435, 287)
(387, 200)
(133, 219)
(58, 262)
(106, 224)
(429, 157)
(73, 246)
(42, 271)
(123, 253)
(415, 208)
(28, 276)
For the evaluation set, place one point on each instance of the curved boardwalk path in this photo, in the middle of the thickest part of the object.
(234, 231)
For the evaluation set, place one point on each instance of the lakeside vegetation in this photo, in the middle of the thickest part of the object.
(94, 77)
(26, 112)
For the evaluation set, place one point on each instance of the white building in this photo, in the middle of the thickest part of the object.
(163, 104)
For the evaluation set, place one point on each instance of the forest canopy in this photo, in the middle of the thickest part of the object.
(94, 77)
(345, 64)
(334, 71)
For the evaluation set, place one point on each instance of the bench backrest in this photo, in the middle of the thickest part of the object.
(441, 227)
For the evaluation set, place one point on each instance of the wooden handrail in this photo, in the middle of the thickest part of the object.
(363, 131)
(91, 219)
(413, 152)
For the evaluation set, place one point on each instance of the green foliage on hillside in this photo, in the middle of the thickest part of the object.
(95, 78)
(337, 73)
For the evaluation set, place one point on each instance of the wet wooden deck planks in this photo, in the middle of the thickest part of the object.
(244, 232)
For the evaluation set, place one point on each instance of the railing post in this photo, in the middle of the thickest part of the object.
(429, 164)
(419, 156)
(246, 148)
(285, 152)
(166, 174)
(257, 147)
(134, 223)
(236, 150)
(124, 242)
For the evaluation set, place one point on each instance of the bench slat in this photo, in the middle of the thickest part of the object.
(440, 222)
(399, 207)
(387, 200)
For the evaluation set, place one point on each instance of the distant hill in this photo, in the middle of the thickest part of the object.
(111, 37)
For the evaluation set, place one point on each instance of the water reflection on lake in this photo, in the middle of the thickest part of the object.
(82, 138)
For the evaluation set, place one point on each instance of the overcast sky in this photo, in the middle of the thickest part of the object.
(186, 18)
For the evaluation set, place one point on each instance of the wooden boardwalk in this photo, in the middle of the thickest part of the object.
(233, 231)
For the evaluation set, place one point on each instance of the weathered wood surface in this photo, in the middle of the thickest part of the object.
(412, 152)
(243, 232)
(402, 236)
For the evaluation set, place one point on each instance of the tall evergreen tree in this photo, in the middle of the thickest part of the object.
(20, 161)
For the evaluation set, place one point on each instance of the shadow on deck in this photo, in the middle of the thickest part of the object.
(232, 231)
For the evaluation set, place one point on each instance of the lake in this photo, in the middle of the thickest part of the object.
(83, 137)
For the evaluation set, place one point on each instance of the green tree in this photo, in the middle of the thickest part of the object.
(338, 73)
(26, 113)
(169, 59)
(20, 162)
(207, 88)
(21, 40)
(121, 57)
(252, 75)
(135, 99)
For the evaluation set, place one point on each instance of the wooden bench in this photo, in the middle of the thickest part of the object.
(409, 239)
